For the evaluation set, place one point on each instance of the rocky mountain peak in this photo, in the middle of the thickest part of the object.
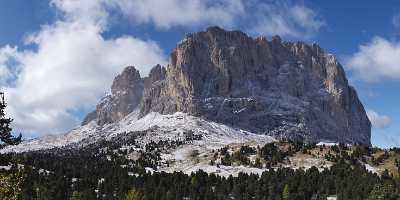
(290, 90)
(276, 39)
(157, 73)
(126, 81)
(126, 94)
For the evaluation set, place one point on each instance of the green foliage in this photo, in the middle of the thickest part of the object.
(335, 149)
(385, 191)
(361, 151)
(10, 186)
(258, 163)
(380, 158)
(272, 154)
(133, 194)
(226, 160)
(5, 129)
(241, 157)
(89, 174)
(285, 192)
(76, 196)
(397, 164)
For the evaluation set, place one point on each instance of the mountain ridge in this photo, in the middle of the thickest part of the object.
(289, 90)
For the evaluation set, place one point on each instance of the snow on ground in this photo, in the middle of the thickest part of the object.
(371, 169)
(221, 170)
(8, 167)
(327, 144)
(182, 159)
(51, 141)
(189, 157)
(215, 135)
(169, 127)
(306, 163)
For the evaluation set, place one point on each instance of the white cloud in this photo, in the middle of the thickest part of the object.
(291, 20)
(71, 68)
(7, 55)
(272, 18)
(376, 60)
(283, 18)
(378, 120)
(169, 13)
(163, 14)
(92, 11)
(267, 18)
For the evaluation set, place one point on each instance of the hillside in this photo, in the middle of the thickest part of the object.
(122, 166)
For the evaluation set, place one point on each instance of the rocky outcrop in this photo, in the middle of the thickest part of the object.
(126, 94)
(290, 90)
(156, 74)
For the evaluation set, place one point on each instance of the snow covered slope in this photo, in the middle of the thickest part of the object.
(185, 143)
(210, 136)
(214, 135)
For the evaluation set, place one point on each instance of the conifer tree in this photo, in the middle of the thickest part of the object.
(5, 129)
(285, 193)
(133, 194)
(377, 193)
(76, 196)
(10, 186)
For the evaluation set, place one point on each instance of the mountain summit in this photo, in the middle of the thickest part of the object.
(289, 90)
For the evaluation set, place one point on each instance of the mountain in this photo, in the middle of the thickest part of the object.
(224, 82)
(222, 105)
(290, 90)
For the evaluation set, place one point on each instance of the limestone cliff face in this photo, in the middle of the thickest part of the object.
(288, 90)
(126, 94)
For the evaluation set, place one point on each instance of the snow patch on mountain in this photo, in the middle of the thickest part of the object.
(214, 135)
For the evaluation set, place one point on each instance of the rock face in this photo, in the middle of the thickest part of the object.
(284, 89)
(126, 94)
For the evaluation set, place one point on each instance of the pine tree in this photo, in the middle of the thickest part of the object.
(76, 196)
(376, 193)
(169, 195)
(133, 194)
(10, 186)
(285, 193)
(5, 129)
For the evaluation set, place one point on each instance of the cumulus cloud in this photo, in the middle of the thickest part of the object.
(169, 13)
(162, 14)
(265, 18)
(70, 68)
(7, 56)
(376, 60)
(291, 20)
(285, 18)
(379, 121)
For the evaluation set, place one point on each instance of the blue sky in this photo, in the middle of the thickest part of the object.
(52, 52)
